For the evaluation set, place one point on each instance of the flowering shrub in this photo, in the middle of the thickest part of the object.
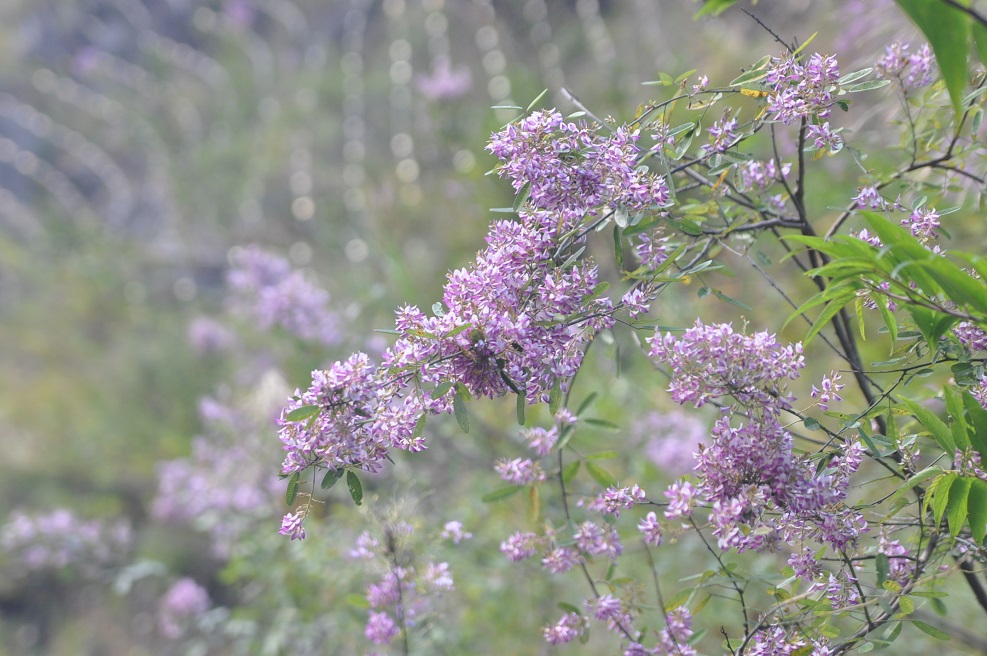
(825, 482)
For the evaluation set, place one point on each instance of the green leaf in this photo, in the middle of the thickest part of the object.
(441, 389)
(831, 310)
(602, 455)
(570, 471)
(357, 601)
(522, 197)
(948, 32)
(866, 86)
(853, 77)
(303, 413)
(883, 567)
(980, 42)
(957, 425)
(292, 491)
(536, 100)
(732, 301)
(600, 475)
(459, 408)
(587, 402)
(933, 424)
(355, 487)
(602, 423)
(940, 495)
(977, 417)
(331, 477)
(811, 423)
(618, 247)
(748, 77)
(555, 396)
(959, 496)
(714, 7)
(502, 493)
(976, 507)
(906, 605)
(930, 630)
(521, 402)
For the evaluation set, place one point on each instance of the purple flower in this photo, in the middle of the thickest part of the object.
(292, 526)
(651, 529)
(722, 136)
(520, 471)
(561, 559)
(183, 601)
(444, 83)
(799, 91)
(828, 390)
(911, 71)
(541, 440)
(381, 629)
(681, 496)
(671, 439)
(923, 224)
(708, 362)
(519, 546)
(615, 499)
(824, 138)
(454, 531)
(569, 627)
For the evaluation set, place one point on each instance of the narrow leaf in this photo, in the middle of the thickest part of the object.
(502, 493)
(948, 32)
(555, 396)
(355, 487)
(521, 402)
(930, 630)
(459, 408)
(600, 475)
(570, 471)
(331, 478)
(292, 491)
(303, 413)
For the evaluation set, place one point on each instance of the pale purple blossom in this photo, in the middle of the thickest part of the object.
(520, 471)
(444, 82)
(381, 629)
(184, 601)
(454, 531)
(681, 496)
(910, 70)
(561, 559)
(712, 361)
(541, 440)
(828, 390)
(569, 627)
(923, 224)
(824, 138)
(615, 499)
(650, 529)
(519, 546)
(292, 526)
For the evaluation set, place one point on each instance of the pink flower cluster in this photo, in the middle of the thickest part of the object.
(800, 90)
(709, 362)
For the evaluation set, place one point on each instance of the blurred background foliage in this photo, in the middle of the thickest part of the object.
(142, 140)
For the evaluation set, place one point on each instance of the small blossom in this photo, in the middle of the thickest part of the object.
(183, 601)
(541, 440)
(381, 629)
(682, 498)
(520, 471)
(828, 390)
(454, 531)
(569, 627)
(519, 546)
(615, 499)
(651, 529)
(292, 526)
(561, 559)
